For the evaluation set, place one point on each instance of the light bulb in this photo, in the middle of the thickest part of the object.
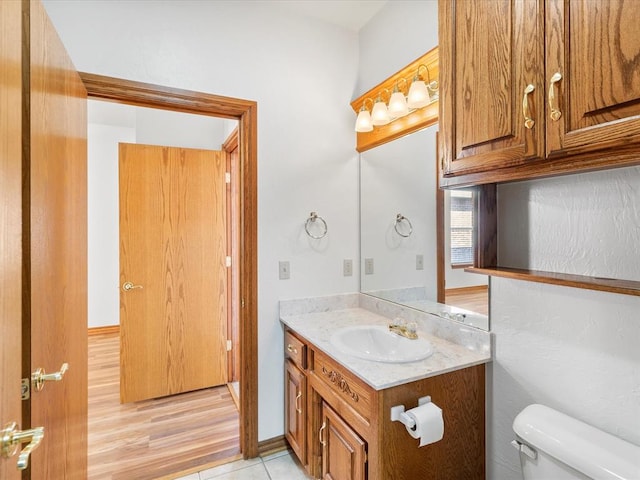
(418, 94)
(380, 114)
(398, 105)
(363, 122)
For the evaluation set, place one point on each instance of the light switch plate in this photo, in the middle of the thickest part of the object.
(284, 272)
(368, 266)
(347, 267)
(419, 262)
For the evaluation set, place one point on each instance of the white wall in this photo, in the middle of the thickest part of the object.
(574, 350)
(302, 73)
(103, 221)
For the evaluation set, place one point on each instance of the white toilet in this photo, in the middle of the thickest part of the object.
(554, 446)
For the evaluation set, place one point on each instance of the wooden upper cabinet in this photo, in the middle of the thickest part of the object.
(595, 47)
(490, 54)
(582, 62)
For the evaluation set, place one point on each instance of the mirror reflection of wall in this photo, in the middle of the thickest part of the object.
(399, 256)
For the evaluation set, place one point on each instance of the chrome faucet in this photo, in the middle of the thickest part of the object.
(406, 329)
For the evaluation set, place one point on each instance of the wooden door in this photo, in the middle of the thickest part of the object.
(344, 454)
(173, 246)
(10, 223)
(596, 98)
(56, 270)
(295, 410)
(490, 52)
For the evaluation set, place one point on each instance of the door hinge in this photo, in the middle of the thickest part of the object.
(229, 345)
(227, 177)
(25, 389)
(228, 261)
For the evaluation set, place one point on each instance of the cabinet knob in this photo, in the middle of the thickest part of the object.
(553, 107)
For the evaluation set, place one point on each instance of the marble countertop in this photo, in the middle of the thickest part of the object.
(448, 356)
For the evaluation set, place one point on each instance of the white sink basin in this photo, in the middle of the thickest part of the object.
(378, 344)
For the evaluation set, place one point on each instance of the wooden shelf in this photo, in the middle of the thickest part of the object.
(624, 287)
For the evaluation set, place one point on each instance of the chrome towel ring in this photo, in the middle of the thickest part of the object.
(399, 219)
(313, 217)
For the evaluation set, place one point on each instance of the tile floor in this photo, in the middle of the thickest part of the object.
(279, 466)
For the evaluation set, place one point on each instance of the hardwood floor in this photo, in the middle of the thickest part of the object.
(154, 438)
(475, 299)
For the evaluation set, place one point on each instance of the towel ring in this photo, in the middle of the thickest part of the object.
(399, 219)
(313, 216)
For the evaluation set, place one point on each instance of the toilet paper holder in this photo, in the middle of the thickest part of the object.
(398, 415)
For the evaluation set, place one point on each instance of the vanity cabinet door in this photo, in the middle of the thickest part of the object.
(492, 84)
(344, 453)
(593, 51)
(295, 410)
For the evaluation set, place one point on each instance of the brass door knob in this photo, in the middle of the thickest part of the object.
(11, 438)
(40, 376)
(126, 286)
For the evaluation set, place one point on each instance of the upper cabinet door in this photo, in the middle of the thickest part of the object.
(593, 50)
(492, 84)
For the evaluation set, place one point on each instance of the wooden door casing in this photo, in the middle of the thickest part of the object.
(10, 223)
(173, 244)
(497, 53)
(246, 112)
(56, 268)
(599, 93)
(344, 454)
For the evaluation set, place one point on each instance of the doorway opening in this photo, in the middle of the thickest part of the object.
(245, 112)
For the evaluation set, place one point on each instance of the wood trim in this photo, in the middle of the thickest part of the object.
(472, 289)
(232, 141)
(272, 445)
(485, 225)
(624, 287)
(155, 96)
(440, 244)
(414, 121)
(104, 330)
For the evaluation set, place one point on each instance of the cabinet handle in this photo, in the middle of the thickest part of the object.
(555, 111)
(291, 349)
(528, 121)
(298, 409)
(322, 441)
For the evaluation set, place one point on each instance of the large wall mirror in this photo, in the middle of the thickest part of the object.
(400, 251)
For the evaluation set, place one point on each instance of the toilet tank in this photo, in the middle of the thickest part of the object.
(556, 446)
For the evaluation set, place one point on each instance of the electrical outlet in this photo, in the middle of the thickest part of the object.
(347, 268)
(368, 266)
(284, 273)
(419, 262)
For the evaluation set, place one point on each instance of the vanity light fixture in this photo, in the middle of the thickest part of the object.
(418, 92)
(363, 122)
(398, 102)
(380, 113)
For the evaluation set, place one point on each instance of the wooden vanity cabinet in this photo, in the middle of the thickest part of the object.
(537, 87)
(350, 435)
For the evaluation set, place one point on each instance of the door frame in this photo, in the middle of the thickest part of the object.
(246, 112)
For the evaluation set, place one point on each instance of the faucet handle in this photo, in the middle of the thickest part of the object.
(412, 327)
(398, 322)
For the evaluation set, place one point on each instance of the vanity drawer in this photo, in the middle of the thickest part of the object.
(295, 350)
(343, 383)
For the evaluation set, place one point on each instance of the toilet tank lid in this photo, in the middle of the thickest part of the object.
(593, 452)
